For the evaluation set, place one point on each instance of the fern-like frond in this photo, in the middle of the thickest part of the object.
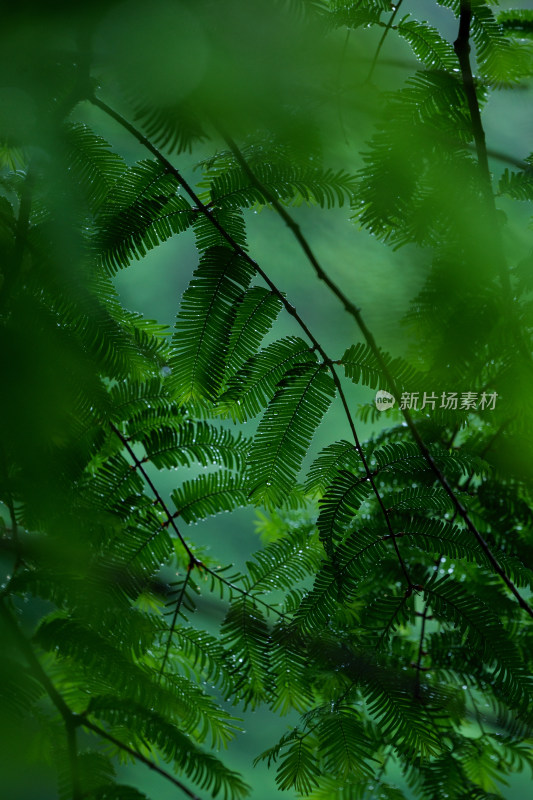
(339, 505)
(343, 743)
(256, 311)
(254, 385)
(245, 634)
(195, 442)
(208, 235)
(406, 457)
(298, 767)
(356, 14)
(203, 324)
(452, 602)
(406, 725)
(290, 184)
(91, 164)
(517, 21)
(142, 211)
(202, 653)
(420, 499)
(337, 579)
(281, 564)
(288, 666)
(338, 456)
(138, 725)
(209, 494)
(362, 366)
(427, 44)
(518, 185)
(285, 432)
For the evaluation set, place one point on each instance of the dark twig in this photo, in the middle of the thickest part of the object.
(170, 517)
(190, 567)
(70, 719)
(138, 756)
(462, 51)
(382, 41)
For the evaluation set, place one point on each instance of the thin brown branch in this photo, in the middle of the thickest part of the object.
(137, 756)
(462, 51)
(157, 496)
(71, 720)
(190, 567)
(382, 40)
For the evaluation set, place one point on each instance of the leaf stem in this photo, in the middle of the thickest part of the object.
(190, 567)
(382, 41)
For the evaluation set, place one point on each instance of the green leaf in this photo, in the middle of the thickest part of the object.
(142, 211)
(202, 327)
(286, 430)
(256, 311)
(288, 183)
(362, 365)
(207, 495)
(427, 44)
(195, 442)
(250, 390)
(339, 505)
(246, 636)
(332, 459)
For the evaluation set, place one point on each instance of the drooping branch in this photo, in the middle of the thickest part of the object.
(170, 517)
(384, 35)
(348, 305)
(138, 757)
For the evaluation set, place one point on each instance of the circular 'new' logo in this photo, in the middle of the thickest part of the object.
(384, 400)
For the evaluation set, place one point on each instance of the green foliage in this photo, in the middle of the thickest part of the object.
(388, 611)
